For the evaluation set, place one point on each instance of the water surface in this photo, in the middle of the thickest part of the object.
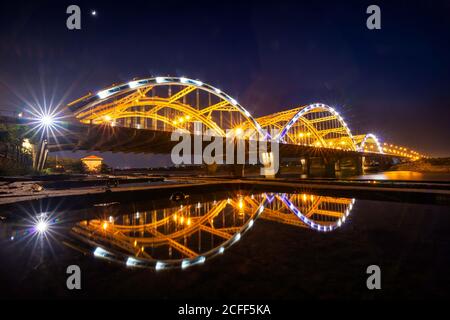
(265, 245)
(406, 175)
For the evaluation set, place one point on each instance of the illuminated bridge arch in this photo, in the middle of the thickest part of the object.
(171, 238)
(315, 125)
(319, 125)
(319, 213)
(368, 143)
(164, 103)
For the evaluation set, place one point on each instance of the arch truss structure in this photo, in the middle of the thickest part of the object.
(165, 103)
(170, 103)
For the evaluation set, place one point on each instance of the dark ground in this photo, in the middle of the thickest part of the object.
(411, 244)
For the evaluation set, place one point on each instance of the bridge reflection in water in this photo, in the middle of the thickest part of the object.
(189, 234)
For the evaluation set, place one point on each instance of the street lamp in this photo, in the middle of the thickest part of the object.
(46, 120)
(41, 226)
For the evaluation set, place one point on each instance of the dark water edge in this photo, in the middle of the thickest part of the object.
(273, 261)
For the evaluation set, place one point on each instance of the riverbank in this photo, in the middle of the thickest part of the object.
(81, 198)
(436, 165)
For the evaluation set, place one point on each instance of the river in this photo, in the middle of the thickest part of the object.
(234, 245)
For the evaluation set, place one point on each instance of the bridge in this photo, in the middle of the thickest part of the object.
(139, 116)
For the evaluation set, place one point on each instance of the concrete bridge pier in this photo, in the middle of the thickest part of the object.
(40, 154)
(269, 170)
(330, 167)
(237, 170)
(306, 165)
(359, 165)
(211, 169)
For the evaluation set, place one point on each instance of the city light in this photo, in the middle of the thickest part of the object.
(27, 145)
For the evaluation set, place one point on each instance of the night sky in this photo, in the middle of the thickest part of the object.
(271, 56)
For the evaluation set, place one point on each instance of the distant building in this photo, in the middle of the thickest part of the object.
(92, 164)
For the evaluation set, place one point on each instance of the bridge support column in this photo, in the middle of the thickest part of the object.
(308, 167)
(270, 168)
(330, 167)
(40, 153)
(237, 170)
(359, 165)
(338, 165)
(211, 169)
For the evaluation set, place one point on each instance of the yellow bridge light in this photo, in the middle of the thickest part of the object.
(241, 204)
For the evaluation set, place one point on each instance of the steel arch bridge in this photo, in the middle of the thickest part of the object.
(186, 235)
(170, 103)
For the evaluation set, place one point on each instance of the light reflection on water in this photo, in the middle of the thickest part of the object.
(189, 234)
(407, 175)
(180, 235)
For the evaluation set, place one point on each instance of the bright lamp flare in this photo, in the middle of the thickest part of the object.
(41, 226)
(46, 120)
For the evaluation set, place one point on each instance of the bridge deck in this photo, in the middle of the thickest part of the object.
(105, 138)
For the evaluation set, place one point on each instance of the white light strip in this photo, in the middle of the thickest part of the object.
(103, 94)
(131, 262)
(100, 252)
